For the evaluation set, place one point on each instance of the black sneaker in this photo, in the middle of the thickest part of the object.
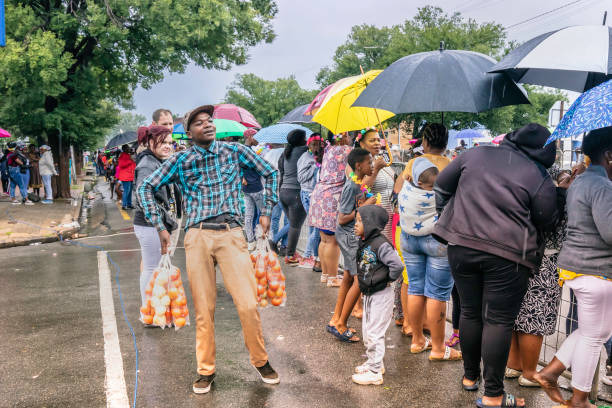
(202, 384)
(282, 251)
(267, 374)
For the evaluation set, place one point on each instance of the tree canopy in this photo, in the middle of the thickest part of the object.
(69, 64)
(267, 100)
(378, 47)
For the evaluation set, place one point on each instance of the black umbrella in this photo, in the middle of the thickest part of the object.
(577, 58)
(297, 115)
(441, 81)
(121, 139)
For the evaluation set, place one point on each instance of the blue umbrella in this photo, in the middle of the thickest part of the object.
(592, 110)
(278, 133)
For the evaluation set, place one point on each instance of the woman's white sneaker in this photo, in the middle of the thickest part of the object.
(368, 378)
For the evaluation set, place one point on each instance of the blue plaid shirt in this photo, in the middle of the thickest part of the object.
(211, 182)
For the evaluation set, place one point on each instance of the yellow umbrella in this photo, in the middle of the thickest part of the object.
(336, 112)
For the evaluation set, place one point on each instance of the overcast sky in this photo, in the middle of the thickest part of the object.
(308, 33)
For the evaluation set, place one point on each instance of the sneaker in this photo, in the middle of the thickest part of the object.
(317, 267)
(307, 263)
(16, 202)
(47, 201)
(267, 374)
(28, 202)
(364, 368)
(368, 378)
(282, 251)
(292, 260)
(202, 384)
(252, 246)
(607, 379)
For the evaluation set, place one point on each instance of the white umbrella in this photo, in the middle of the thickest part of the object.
(576, 58)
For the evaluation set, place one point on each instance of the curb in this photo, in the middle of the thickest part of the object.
(45, 239)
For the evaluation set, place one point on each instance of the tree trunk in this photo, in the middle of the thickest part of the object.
(63, 184)
(78, 161)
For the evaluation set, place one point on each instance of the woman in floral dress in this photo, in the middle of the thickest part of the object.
(323, 210)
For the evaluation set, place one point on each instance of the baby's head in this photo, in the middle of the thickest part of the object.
(424, 173)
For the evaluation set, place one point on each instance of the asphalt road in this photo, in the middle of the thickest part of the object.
(53, 348)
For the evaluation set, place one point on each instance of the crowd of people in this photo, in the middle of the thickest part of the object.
(494, 228)
(27, 169)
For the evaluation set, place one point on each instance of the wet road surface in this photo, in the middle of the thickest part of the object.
(53, 345)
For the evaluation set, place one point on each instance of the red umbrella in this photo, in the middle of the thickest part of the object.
(4, 133)
(235, 113)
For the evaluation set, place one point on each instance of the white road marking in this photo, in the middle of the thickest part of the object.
(114, 381)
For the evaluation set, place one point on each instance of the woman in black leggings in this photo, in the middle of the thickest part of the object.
(290, 190)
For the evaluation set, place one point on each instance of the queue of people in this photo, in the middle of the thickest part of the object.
(496, 229)
(27, 168)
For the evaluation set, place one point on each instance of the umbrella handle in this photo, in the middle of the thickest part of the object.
(387, 156)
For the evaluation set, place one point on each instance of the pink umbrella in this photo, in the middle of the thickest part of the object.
(4, 133)
(318, 100)
(498, 139)
(235, 113)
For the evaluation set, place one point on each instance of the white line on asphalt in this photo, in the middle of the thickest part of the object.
(104, 236)
(114, 381)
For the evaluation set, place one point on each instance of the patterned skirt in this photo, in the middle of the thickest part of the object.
(540, 307)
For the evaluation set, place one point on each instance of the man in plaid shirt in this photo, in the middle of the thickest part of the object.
(210, 178)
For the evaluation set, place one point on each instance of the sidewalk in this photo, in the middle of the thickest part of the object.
(45, 221)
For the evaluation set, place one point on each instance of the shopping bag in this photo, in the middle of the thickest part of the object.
(165, 300)
(268, 274)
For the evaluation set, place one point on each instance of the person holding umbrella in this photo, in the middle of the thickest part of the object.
(125, 174)
(584, 265)
(491, 266)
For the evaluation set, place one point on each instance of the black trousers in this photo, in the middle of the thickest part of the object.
(294, 209)
(456, 307)
(491, 290)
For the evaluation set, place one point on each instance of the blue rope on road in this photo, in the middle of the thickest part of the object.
(117, 269)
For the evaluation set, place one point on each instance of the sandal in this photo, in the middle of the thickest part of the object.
(426, 346)
(346, 337)
(508, 400)
(473, 387)
(453, 340)
(447, 356)
(406, 333)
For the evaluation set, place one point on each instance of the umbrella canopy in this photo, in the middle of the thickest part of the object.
(228, 128)
(575, 58)
(235, 113)
(337, 113)
(4, 133)
(121, 139)
(441, 81)
(326, 93)
(278, 133)
(590, 111)
(498, 139)
(297, 115)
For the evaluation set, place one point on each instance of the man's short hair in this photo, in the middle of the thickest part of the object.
(157, 114)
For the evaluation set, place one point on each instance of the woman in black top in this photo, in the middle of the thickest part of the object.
(290, 190)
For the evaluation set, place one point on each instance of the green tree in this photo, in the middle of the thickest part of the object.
(128, 121)
(69, 64)
(376, 48)
(267, 100)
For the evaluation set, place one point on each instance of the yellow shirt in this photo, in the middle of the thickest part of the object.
(439, 161)
(564, 275)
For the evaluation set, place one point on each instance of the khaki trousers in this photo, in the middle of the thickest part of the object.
(228, 249)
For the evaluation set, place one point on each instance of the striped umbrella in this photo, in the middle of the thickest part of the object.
(575, 58)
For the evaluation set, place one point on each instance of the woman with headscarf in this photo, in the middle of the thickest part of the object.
(585, 266)
(289, 193)
(494, 204)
